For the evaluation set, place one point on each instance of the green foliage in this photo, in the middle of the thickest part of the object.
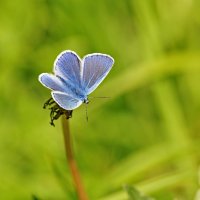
(135, 194)
(146, 134)
(35, 197)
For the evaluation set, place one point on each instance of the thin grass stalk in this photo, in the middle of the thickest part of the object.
(71, 160)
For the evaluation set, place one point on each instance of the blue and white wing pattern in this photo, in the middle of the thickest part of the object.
(68, 66)
(65, 101)
(74, 79)
(52, 82)
(95, 68)
(55, 83)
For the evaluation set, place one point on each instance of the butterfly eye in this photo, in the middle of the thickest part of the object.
(86, 101)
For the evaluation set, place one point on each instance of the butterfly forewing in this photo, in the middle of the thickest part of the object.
(65, 101)
(95, 69)
(52, 82)
(68, 66)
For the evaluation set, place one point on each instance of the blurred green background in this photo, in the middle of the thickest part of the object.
(146, 135)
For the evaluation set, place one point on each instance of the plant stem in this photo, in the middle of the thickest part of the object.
(71, 161)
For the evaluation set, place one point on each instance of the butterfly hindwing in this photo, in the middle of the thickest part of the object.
(65, 101)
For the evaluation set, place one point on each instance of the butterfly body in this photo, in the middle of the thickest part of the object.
(72, 90)
(74, 79)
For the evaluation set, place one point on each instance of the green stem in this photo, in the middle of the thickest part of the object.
(71, 161)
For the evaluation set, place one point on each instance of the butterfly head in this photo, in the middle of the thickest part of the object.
(86, 101)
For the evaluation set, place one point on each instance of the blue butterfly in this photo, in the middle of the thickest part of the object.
(74, 79)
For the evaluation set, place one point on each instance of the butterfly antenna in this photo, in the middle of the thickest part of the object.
(100, 97)
(86, 112)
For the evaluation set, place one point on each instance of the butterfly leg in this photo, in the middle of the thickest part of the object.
(56, 111)
(48, 102)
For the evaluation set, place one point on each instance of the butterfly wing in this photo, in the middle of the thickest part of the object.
(68, 66)
(52, 82)
(65, 101)
(95, 69)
